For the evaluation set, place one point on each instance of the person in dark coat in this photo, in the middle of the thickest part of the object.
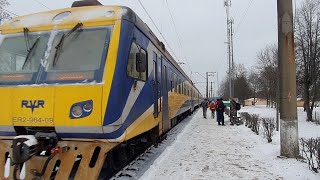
(220, 110)
(204, 105)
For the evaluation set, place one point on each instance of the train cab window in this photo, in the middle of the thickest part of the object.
(78, 55)
(19, 59)
(137, 63)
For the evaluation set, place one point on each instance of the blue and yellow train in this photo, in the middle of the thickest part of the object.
(77, 84)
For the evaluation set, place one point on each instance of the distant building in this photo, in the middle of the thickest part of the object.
(300, 102)
(256, 101)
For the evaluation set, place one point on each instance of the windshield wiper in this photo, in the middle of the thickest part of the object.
(30, 52)
(26, 38)
(60, 44)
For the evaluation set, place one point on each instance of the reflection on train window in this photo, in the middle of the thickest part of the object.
(132, 61)
(15, 49)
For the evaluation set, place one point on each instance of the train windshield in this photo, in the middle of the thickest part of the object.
(63, 56)
(79, 55)
(20, 56)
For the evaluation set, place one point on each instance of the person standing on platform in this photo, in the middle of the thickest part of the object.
(220, 110)
(204, 105)
(233, 111)
(212, 106)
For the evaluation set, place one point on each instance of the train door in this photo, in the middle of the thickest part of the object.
(156, 84)
(165, 111)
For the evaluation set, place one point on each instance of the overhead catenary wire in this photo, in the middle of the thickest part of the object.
(42, 4)
(178, 36)
(158, 30)
(243, 16)
(9, 11)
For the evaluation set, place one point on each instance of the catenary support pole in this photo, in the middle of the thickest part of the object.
(227, 4)
(207, 85)
(287, 67)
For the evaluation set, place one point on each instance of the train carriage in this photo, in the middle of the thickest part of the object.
(82, 83)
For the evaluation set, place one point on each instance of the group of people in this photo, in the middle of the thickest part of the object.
(214, 106)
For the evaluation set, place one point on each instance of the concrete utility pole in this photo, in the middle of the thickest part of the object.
(211, 94)
(232, 57)
(287, 67)
(207, 85)
(227, 4)
(217, 94)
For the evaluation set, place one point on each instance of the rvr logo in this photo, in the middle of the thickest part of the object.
(32, 104)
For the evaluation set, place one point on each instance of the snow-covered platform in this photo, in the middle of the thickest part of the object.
(204, 150)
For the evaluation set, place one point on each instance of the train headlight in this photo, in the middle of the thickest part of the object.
(81, 109)
(76, 111)
(87, 107)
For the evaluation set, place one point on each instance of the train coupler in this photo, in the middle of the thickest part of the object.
(23, 148)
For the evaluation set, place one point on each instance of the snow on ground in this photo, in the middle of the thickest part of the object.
(204, 150)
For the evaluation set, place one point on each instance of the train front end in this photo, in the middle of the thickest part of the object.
(56, 70)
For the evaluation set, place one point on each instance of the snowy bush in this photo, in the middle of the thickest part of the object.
(255, 123)
(245, 117)
(251, 121)
(268, 125)
(310, 150)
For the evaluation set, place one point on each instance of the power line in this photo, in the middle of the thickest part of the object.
(9, 12)
(42, 4)
(179, 39)
(243, 16)
(158, 30)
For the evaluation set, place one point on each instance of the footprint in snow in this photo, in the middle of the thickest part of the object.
(205, 169)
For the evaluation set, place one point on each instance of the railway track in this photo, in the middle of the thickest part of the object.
(137, 167)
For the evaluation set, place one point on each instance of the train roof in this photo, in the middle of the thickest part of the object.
(64, 18)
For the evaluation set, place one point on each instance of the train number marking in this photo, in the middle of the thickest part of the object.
(33, 120)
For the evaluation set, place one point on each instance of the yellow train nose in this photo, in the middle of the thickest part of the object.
(52, 106)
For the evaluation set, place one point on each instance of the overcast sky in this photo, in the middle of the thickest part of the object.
(201, 25)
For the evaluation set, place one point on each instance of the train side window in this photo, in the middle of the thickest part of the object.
(180, 85)
(175, 82)
(183, 88)
(171, 80)
(136, 56)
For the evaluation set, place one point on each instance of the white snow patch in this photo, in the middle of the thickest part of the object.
(35, 20)
(44, 60)
(204, 150)
(94, 13)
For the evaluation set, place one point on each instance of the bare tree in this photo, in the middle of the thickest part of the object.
(241, 85)
(307, 39)
(4, 15)
(268, 68)
(254, 83)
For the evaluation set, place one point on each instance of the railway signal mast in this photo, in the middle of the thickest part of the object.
(227, 4)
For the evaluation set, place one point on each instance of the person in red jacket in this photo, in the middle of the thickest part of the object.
(212, 107)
